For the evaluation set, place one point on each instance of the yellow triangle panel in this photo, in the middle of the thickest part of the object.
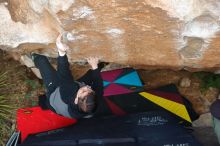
(174, 107)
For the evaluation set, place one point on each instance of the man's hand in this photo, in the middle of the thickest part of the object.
(93, 61)
(62, 48)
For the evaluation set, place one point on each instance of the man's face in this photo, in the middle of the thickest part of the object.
(81, 98)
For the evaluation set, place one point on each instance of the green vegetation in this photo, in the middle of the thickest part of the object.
(6, 108)
(30, 95)
(208, 80)
(19, 88)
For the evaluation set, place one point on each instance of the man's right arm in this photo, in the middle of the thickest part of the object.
(62, 61)
(63, 69)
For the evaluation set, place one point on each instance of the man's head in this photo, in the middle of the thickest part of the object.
(85, 99)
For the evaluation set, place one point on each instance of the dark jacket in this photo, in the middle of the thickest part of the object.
(69, 88)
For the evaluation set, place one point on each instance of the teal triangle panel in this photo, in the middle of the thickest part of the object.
(129, 79)
(106, 83)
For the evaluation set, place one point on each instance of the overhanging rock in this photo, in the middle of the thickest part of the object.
(144, 33)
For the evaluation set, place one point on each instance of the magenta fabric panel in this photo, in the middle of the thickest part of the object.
(111, 75)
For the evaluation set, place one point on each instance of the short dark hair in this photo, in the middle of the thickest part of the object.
(90, 102)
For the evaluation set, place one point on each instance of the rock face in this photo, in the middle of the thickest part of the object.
(172, 34)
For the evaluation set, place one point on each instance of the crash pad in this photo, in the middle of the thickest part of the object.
(35, 120)
(121, 81)
(164, 98)
(156, 128)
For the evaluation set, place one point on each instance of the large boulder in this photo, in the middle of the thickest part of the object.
(176, 34)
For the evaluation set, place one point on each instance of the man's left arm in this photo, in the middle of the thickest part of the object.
(96, 76)
(97, 82)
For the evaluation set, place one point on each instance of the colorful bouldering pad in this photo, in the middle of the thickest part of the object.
(121, 81)
(34, 120)
(174, 107)
(164, 98)
(168, 98)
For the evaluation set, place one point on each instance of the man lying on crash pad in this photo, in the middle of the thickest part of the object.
(66, 96)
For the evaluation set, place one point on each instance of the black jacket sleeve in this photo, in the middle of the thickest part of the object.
(68, 88)
(102, 107)
(97, 81)
(63, 69)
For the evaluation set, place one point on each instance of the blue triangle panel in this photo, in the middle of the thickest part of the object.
(129, 79)
(106, 83)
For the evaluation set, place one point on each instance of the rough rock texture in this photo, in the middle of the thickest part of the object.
(205, 120)
(143, 33)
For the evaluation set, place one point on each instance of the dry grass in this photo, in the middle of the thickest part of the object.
(19, 89)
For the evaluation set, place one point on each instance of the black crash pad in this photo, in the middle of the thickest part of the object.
(155, 128)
